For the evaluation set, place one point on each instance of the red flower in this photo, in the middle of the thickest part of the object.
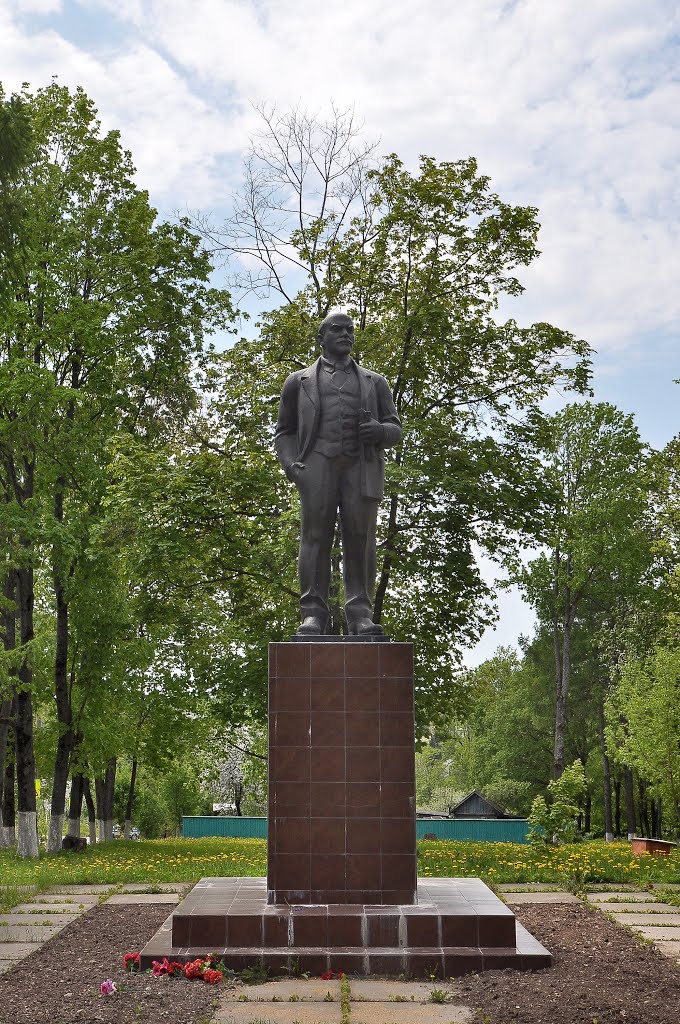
(194, 969)
(212, 977)
(131, 962)
(340, 975)
(327, 975)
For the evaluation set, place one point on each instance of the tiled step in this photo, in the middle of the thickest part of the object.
(457, 926)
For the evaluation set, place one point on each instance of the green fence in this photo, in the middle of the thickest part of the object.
(221, 825)
(479, 830)
(489, 830)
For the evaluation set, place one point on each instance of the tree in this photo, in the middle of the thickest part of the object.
(649, 697)
(597, 547)
(421, 261)
(16, 735)
(110, 314)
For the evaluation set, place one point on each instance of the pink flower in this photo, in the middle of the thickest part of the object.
(161, 968)
(108, 987)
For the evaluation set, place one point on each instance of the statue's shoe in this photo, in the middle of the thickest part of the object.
(311, 626)
(365, 627)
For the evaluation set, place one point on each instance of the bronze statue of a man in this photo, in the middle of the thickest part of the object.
(335, 420)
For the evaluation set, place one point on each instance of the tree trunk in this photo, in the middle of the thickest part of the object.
(8, 832)
(91, 813)
(62, 694)
(27, 819)
(629, 794)
(130, 800)
(8, 712)
(563, 689)
(5, 727)
(588, 810)
(104, 791)
(606, 776)
(617, 806)
(656, 819)
(644, 817)
(238, 797)
(75, 806)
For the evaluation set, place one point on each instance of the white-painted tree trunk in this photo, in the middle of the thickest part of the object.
(108, 829)
(92, 830)
(27, 829)
(56, 833)
(128, 828)
(609, 837)
(73, 828)
(101, 837)
(8, 837)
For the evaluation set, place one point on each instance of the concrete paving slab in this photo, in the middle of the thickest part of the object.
(278, 1013)
(411, 1013)
(72, 909)
(383, 991)
(671, 949)
(19, 888)
(618, 894)
(162, 886)
(656, 932)
(513, 898)
(17, 933)
(529, 887)
(36, 920)
(82, 890)
(5, 965)
(15, 950)
(637, 908)
(307, 989)
(638, 920)
(86, 900)
(669, 886)
(139, 898)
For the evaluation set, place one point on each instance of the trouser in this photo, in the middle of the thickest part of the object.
(327, 485)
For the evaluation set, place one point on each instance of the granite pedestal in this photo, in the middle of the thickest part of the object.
(341, 891)
(341, 774)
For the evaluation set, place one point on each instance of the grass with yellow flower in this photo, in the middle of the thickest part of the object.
(187, 860)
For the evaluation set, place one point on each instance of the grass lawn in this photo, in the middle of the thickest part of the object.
(186, 860)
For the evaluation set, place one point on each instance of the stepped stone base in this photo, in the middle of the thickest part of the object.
(457, 926)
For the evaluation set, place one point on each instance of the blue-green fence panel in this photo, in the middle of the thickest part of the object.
(489, 830)
(219, 825)
(481, 830)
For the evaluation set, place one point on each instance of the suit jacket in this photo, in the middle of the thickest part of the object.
(297, 425)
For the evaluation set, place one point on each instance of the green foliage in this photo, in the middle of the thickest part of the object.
(648, 698)
(421, 267)
(554, 821)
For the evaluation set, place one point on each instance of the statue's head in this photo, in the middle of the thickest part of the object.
(336, 335)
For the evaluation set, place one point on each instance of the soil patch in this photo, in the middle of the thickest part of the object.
(59, 983)
(601, 973)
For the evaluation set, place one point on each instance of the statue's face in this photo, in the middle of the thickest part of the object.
(337, 336)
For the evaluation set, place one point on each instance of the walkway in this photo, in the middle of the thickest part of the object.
(652, 920)
(27, 926)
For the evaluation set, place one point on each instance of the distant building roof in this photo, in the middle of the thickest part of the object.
(476, 805)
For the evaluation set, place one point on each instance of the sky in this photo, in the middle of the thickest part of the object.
(572, 106)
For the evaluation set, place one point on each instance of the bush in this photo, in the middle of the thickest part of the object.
(554, 821)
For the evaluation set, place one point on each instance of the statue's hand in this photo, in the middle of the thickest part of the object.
(293, 469)
(371, 432)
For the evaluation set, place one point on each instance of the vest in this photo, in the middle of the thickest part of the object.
(340, 402)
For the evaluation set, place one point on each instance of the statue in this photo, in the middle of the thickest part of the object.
(335, 420)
